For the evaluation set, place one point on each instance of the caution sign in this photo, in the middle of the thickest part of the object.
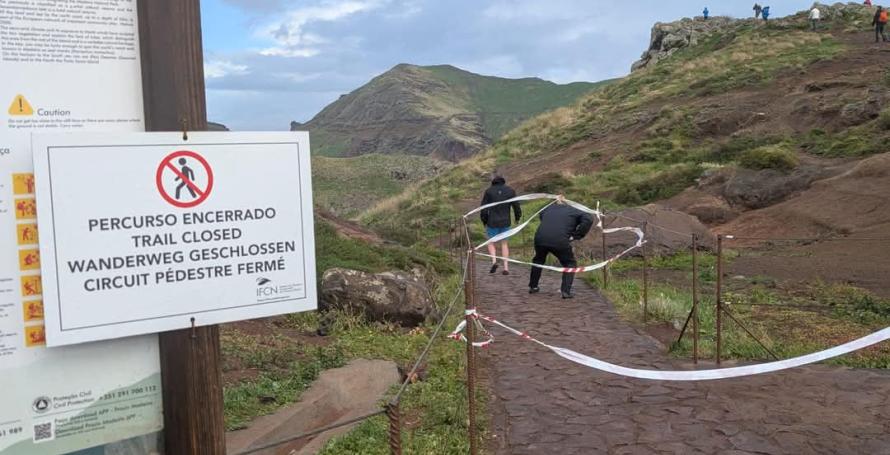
(139, 234)
(20, 106)
(184, 179)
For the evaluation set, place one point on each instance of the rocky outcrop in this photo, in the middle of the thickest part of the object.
(667, 231)
(751, 189)
(668, 38)
(387, 297)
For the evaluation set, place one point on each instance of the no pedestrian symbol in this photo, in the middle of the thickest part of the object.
(184, 179)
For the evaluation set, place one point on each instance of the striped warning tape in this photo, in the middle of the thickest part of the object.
(700, 375)
(556, 199)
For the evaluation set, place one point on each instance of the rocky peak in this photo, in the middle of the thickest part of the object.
(670, 37)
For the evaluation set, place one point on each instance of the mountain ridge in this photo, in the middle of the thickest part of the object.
(440, 111)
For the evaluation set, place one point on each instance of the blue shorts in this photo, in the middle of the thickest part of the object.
(493, 231)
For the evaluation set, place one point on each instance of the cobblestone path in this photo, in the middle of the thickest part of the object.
(542, 404)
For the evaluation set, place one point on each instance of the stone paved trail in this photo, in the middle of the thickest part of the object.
(542, 404)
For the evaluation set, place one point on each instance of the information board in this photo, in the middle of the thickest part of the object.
(145, 232)
(64, 66)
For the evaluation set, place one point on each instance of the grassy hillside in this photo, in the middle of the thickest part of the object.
(348, 186)
(439, 111)
(749, 95)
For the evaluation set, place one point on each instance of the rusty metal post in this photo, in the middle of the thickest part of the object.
(395, 428)
(719, 297)
(694, 298)
(645, 279)
(470, 296)
(605, 258)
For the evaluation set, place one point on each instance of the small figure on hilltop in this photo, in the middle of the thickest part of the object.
(561, 224)
(757, 9)
(815, 16)
(880, 22)
(867, 2)
(497, 219)
(765, 13)
(706, 13)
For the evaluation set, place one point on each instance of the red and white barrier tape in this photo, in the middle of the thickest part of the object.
(701, 375)
(513, 231)
(458, 335)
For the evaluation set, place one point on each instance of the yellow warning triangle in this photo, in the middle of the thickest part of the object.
(20, 106)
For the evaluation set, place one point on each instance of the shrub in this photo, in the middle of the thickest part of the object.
(857, 141)
(663, 185)
(777, 157)
(732, 149)
(884, 120)
(551, 183)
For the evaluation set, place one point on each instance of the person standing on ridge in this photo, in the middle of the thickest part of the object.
(560, 225)
(757, 9)
(867, 3)
(815, 16)
(706, 13)
(497, 219)
(765, 13)
(880, 22)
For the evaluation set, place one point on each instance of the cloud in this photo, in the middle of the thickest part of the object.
(215, 69)
(296, 56)
(290, 35)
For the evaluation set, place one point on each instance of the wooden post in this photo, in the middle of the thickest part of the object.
(173, 92)
(645, 277)
(605, 258)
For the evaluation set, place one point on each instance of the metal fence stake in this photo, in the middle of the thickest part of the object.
(395, 428)
(606, 268)
(470, 295)
(694, 298)
(719, 297)
(645, 279)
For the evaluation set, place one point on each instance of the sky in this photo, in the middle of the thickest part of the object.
(268, 62)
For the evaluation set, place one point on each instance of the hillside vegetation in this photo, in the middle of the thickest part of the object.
(746, 97)
(438, 111)
(348, 186)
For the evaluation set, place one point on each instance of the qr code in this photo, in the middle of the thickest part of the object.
(43, 432)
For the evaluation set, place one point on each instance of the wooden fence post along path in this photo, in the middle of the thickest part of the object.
(152, 231)
(174, 96)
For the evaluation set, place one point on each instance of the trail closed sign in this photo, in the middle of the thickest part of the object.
(146, 232)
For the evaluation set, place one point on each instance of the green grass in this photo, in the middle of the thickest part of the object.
(347, 186)
(784, 322)
(333, 250)
(434, 409)
(286, 369)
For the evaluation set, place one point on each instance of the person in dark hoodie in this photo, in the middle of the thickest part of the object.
(560, 225)
(497, 219)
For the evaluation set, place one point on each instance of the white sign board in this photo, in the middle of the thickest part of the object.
(146, 232)
(64, 66)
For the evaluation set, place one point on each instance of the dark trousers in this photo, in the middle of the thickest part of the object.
(566, 258)
(879, 32)
(815, 24)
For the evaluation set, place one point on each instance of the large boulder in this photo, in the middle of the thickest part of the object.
(386, 297)
(755, 189)
(666, 232)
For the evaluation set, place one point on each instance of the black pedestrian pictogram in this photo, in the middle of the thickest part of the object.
(187, 178)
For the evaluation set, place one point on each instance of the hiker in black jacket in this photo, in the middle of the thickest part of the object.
(497, 219)
(560, 225)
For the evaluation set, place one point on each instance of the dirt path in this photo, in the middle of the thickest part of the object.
(542, 404)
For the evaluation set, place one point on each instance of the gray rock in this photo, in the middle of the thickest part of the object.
(386, 297)
(668, 38)
(754, 189)
(667, 231)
